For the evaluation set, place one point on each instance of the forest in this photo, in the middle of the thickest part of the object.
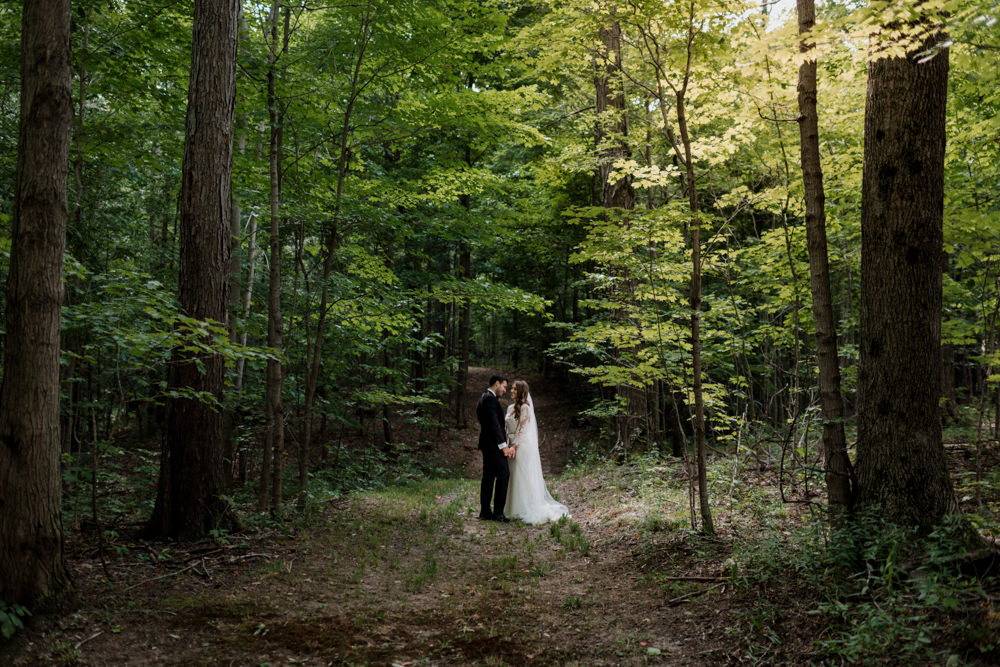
(261, 259)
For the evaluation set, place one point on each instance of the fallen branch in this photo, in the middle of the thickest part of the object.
(202, 553)
(247, 557)
(696, 578)
(162, 576)
(93, 636)
(684, 598)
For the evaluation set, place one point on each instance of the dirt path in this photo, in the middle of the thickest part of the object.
(410, 576)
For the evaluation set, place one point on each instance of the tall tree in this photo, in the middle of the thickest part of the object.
(274, 441)
(838, 463)
(192, 469)
(464, 271)
(616, 188)
(32, 567)
(679, 84)
(901, 465)
(359, 79)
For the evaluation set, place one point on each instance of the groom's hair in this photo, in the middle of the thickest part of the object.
(496, 378)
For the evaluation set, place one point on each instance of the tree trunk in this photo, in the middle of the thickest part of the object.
(465, 335)
(234, 414)
(611, 132)
(612, 121)
(189, 499)
(331, 238)
(32, 566)
(949, 403)
(235, 293)
(707, 525)
(464, 326)
(72, 341)
(683, 154)
(274, 411)
(838, 463)
(242, 454)
(901, 461)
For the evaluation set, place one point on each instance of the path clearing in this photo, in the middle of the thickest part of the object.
(409, 576)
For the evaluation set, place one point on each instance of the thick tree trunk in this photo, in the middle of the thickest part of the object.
(189, 500)
(612, 131)
(901, 461)
(838, 463)
(612, 121)
(32, 566)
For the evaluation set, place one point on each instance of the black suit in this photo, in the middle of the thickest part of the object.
(496, 472)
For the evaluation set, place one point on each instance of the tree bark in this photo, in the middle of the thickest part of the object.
(32, 565)
(612, 121)
(611, 132)
(901, 465)
(838, 463)
(464, 329)
(189, 499)
(464, 336)
(274, 411)
(465, 321)
(707, 525)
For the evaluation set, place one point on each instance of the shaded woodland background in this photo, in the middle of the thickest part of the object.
(607, 196)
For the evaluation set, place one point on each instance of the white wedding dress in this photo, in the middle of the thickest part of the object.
(527, 497)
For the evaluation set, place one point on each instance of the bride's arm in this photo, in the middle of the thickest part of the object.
(512, 437)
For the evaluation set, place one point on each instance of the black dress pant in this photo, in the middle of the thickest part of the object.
(496, 473)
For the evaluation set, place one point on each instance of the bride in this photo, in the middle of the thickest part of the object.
(527, 499)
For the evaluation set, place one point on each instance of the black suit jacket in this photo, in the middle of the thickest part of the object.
(490, 416)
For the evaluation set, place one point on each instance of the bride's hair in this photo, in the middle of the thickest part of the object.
(522, 396)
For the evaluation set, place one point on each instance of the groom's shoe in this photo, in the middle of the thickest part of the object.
(501, 518)
(485, 517)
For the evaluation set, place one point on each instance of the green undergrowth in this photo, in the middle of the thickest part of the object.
(120, 489)
(10, 618)
(876, 592)
(869, 592)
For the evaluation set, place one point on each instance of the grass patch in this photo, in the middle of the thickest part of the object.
(425, 576)
(571, 603)
(569, 534)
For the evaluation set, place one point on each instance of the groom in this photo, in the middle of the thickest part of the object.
(493, 443)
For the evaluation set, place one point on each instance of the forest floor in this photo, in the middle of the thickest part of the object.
(407, 575)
